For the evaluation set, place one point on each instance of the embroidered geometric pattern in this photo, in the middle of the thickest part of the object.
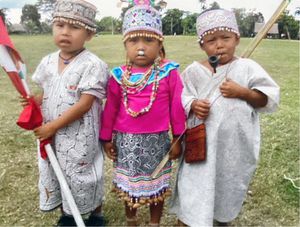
(210, 21)
(76, 12)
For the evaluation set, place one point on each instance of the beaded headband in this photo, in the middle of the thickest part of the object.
(142, 20)
(216, 20)
(77, 12)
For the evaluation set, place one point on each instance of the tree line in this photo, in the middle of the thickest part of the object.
(175, 21)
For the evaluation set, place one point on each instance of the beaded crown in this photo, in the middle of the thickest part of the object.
(215, 20)
(142, 17)
(76, 12)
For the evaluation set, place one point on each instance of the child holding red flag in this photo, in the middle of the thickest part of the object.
(73, 81)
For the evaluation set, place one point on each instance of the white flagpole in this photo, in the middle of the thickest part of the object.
(64, 186)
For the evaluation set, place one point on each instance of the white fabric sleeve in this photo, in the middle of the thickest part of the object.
(262, 81)
(189, 93)
(94, 79)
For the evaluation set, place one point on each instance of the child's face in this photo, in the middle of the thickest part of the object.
(150, 46)
(221, 43)
(70, 37)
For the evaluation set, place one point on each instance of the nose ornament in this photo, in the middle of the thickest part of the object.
(141, 53)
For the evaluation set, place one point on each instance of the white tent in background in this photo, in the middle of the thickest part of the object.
(273, 32)
(17, 28)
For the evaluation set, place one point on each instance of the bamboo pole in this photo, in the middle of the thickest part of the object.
(264, 30)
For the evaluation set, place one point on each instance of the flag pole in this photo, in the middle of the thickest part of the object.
(264, 30)
(64, 186)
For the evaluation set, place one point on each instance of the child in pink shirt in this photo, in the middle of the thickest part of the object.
(143, 101)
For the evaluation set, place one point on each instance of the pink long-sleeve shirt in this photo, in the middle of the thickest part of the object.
(166, 110)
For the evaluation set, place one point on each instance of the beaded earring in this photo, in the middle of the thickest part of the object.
(157, 62)
(128, 64)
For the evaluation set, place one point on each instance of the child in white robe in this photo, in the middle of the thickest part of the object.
(227, 99)
(73, 82)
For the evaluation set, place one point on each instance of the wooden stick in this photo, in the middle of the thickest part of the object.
(264, 30)
(165, 159)
(161, 165)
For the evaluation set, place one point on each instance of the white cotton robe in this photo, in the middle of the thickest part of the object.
(216, 188)
(77, 145)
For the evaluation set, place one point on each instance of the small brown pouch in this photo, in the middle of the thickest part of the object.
(195, 144)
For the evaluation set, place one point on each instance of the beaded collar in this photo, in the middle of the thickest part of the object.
(164, 71)
(132, 84)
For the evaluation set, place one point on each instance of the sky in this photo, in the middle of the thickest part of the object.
(109, 7)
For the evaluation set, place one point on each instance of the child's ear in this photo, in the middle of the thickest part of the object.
(160, 45)
(90, 35)
(201, 46)
(237, 40)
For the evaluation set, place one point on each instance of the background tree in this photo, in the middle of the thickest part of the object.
(46, 7)
(288, 26)
(172, 22)
(109, 24)
(31, 18)
(46, 27)
(189, 24)
(246, 21)
(31, 27)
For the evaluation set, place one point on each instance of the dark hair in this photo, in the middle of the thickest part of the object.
(162, 52)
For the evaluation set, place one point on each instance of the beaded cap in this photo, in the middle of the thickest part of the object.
(142, 18)
(76, 12)
(216, 20)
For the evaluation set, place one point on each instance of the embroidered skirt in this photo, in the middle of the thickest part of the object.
(138, 156)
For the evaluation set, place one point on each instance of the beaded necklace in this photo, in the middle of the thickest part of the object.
(138, 85)
(129, 87)
(68, 60)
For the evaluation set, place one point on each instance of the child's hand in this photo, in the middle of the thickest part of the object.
(176, 149)
(231, 89)
(201, 108)
(45, 131)
(110, 150)
(24, 101)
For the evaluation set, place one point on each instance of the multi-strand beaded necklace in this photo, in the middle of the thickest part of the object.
(129, 87)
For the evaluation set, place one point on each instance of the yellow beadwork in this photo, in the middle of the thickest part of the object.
(143, 34)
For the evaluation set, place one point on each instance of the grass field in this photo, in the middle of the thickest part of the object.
(273, 201)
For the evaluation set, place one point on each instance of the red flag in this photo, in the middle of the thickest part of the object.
(12, 63)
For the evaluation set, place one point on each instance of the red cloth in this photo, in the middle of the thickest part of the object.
(43, 149)
(31, 116)
(5, 40)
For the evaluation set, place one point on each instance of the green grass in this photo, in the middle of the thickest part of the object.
(273, 202)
